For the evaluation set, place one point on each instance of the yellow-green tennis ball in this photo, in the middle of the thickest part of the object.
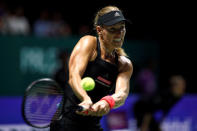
(87, 83)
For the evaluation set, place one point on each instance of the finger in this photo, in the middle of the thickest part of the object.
(99, 110)
(91, 112)
(102, 110)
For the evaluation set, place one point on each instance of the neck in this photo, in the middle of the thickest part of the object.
(107, 51)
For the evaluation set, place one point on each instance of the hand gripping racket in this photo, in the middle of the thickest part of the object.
(43, 103)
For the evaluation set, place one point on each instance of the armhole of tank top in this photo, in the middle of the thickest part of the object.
(98, 49)
(116, 58)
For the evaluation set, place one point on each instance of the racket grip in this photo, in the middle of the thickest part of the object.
(79, 108)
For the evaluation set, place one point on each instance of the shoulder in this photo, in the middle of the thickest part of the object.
(87, 40)
(125, 64)
(86, 43)
(125, 60)
(85, 46)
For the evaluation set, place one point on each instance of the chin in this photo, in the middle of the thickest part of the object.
(118, 44)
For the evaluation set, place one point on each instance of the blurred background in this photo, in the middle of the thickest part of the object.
(37, 37)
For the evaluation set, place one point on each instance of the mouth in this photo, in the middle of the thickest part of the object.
(117, 40)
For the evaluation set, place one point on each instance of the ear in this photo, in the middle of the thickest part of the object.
(99, 30)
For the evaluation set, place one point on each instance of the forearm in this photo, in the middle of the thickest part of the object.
(77, 89)
(119, 98)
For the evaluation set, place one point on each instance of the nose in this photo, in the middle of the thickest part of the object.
(120, 31)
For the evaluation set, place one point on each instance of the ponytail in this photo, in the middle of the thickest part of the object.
(121, 52)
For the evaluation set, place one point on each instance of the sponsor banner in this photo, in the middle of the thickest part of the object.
(19, 127)
(182, 117)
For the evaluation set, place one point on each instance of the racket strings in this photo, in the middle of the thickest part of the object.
(44, 103)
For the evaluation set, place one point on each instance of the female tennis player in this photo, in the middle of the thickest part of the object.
(102, 58)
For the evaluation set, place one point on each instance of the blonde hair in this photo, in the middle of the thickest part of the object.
(121, 52)
(107, 9)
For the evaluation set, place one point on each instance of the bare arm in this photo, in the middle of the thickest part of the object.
(123, 82)
(80, 56)
(122, 89)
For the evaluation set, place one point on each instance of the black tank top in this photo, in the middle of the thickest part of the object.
(104, 75)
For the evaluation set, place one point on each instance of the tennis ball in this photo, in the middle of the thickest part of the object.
(87, 83)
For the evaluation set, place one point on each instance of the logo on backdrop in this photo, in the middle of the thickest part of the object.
(38, 60)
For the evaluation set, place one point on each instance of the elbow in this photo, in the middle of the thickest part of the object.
(74, 78)
(70, 80)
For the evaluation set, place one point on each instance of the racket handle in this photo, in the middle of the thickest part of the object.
(79, 108)
(76, 108)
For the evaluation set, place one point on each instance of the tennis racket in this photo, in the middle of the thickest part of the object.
(43, 103)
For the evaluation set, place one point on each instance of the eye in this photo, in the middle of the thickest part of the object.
(112, 29)
(122, 27)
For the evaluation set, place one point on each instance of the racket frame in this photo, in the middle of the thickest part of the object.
(25, 96)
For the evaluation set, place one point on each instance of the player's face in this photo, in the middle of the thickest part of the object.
(114, 34)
